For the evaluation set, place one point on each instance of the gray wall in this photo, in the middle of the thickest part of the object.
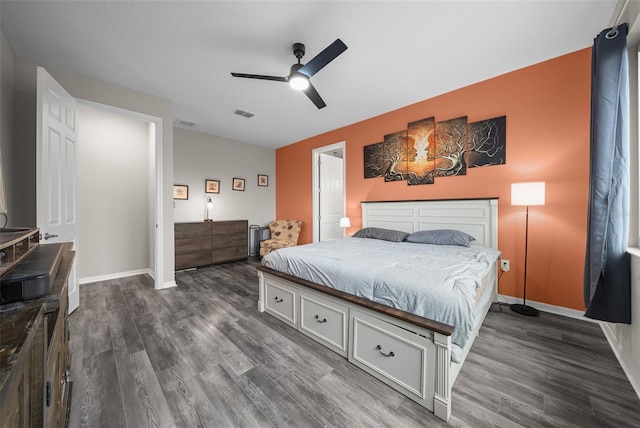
(200, 156)
(114, 189)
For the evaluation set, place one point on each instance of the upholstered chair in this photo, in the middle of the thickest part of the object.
(284, 233)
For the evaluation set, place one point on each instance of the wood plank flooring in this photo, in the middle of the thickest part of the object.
(200, 355)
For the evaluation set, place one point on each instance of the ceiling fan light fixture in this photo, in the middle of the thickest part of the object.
(299, 82)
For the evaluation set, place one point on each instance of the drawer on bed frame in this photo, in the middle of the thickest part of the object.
(396, 356)
(324, 321)
(281, 302)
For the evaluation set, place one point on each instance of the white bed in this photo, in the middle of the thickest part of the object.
(410, 353)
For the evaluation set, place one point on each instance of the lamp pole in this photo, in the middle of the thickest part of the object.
(523, 309)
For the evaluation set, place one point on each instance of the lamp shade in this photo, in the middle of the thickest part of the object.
(345, 222)
(528, 194)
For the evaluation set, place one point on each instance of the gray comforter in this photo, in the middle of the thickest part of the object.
(437, 282)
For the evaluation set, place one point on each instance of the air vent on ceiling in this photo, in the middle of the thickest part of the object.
(184, 123)
(243, 113)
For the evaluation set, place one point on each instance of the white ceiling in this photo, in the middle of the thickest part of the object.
(398, 52)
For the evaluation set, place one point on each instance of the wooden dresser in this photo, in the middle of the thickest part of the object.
(210, 242)
(34, 354)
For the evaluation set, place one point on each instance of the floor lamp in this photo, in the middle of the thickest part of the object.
(526, 194)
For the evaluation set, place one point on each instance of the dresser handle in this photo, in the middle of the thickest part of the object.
(278, 300)
(65, 377)
(320, 320)
(48, 393)
(390, 354)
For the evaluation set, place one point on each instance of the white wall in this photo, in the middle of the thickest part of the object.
(625, 339)
(6, 118)
(200, 156)
(151, 201)
(102, 92)
(114, 193)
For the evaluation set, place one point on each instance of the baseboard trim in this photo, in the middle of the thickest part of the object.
(627, 365)
(545, 307)
(111, 276)
(168, 284)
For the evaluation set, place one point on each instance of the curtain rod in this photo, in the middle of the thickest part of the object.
(613, 32)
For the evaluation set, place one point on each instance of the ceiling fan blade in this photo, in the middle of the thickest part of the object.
(260, 76)
(318, 62)
(314, 96)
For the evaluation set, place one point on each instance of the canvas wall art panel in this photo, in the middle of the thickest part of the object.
(421, 151)
(395, 151)
(451, 147)
(373, 160)
(487, 142)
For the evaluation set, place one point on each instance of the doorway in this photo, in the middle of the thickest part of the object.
(131, 194)
(329, 194)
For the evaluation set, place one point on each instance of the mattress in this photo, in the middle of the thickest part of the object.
(438, 282)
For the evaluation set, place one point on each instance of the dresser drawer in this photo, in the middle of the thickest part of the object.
(221, 255)
(188, 231)
(325, 322)
(231, 226)
(192, 252)
(229, 240)
(281, 302)
(393, 355)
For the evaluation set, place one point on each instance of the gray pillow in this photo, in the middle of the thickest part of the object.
(441, 237)
(383, 234)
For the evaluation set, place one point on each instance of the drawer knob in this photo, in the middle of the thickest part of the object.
(320, 320)
(279, 300)
(390, 354)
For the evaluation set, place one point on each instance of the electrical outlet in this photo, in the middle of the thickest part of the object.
(505, 266)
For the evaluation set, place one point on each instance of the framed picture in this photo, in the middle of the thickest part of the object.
(263, 180)
(180, 191)
(238, 184)
(212, 186)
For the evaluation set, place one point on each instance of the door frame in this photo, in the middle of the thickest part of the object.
(315, 157)
(157, 269)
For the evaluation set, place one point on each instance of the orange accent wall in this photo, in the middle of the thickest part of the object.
(547, 107)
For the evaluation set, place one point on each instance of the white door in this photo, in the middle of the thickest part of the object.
(331, 196)
(56, 154)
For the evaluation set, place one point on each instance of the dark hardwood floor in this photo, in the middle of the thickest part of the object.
(200, 355)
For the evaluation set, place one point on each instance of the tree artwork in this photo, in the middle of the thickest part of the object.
(487, 142)
(373, 161)
(397, 150)
(427, 149)
(451, 147)
(421, 135)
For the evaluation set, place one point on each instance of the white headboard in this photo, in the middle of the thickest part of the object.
(477, 217)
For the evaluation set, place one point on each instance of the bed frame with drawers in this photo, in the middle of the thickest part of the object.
(410, 353)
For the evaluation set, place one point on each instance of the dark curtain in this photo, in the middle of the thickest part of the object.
(607, 279)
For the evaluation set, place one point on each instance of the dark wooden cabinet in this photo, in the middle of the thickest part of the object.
(34, 355)
(192, 244)
(210, 242)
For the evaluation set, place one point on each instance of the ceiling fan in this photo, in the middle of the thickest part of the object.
(299, 75)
